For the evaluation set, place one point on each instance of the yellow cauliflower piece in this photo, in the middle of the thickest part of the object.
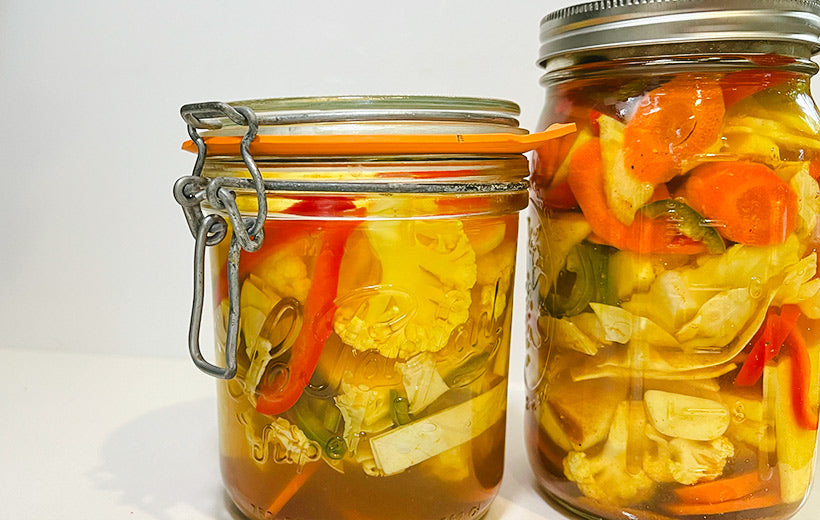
(364, 410)
(605, 476)
(427, 271)
(674, 459)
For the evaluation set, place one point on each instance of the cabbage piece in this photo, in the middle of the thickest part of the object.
(808, 200)
(422, 382)
(718, 321)
(566, 334)
(777, 132)
(753, 147)
(427, 271)
(799, 284)
(403, 447)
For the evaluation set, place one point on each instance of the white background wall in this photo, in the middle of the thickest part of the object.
(95, 254)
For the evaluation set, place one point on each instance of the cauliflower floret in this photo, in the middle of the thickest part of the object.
(683, 460)
(280, 441)
(271, 294)
(605, 477)
(427, 271)
(364, 410)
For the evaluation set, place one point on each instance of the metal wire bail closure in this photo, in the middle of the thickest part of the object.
(246, 233)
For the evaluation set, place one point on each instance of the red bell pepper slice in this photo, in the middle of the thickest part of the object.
(279, 394)
(805, 416)
(766, 343)
(742, 84)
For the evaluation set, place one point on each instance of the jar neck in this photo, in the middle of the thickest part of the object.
(712, 57)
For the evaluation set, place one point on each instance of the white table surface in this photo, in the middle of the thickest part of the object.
(106, 437)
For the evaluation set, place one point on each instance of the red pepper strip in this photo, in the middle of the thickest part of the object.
(742, 84)
(280, 233)
(766, 344)
(801, 381)
(752, 368)
(278, 395)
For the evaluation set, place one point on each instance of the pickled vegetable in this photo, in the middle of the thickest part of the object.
(673, 341)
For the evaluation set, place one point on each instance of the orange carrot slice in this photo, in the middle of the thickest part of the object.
(759, 501)
(721, 490)
(644, 235)
(749, 202)
(673, 122)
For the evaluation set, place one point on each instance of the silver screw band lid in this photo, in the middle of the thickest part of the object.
(609, 24)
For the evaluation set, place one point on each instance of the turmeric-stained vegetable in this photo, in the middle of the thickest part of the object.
(604, 476)
(643, 235)
(365, 410)
(625, 193)
(415, 442)
(795, 444)
(685, 461)
(422, 382)
(427, 271)
(687, 417)
(749, 203)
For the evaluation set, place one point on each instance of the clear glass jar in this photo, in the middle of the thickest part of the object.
(673, 295)
(373, 326)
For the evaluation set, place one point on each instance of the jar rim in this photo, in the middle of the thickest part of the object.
(608, 24)
(281, 113)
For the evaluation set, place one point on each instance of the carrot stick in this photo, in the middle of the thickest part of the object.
(722, 490)
(741, 504)
(672, 123)
(292, 487)
(752, 205)
(643, 235)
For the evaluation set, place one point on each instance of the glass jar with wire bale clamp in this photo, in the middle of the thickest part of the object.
(362, 260)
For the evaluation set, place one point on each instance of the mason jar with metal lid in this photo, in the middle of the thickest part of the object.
(363, 251)
(673, 294)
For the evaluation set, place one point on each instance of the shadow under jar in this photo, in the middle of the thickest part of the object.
(368, 336)
(673, 290)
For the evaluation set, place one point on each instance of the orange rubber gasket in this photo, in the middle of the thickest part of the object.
(341, 145)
